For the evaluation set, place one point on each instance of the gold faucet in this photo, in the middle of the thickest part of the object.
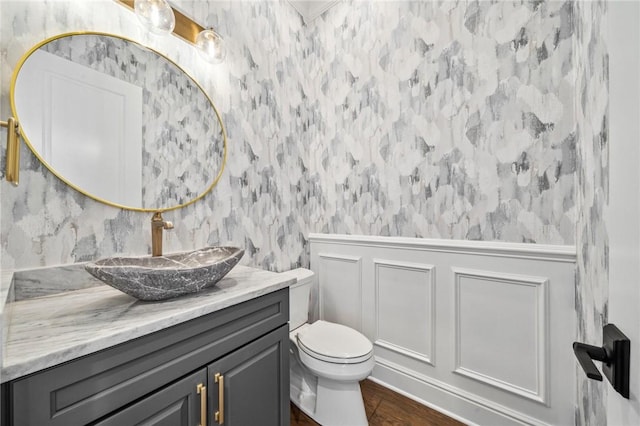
(157, 225)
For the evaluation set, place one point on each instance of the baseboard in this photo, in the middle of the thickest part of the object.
(468, 408)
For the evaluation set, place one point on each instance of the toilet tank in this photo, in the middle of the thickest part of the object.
(299, 297)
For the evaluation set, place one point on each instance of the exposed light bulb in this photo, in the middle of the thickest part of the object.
(156, 15)
(211, 46)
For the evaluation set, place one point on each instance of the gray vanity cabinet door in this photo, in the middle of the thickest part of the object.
(254, 382)
(176, 405)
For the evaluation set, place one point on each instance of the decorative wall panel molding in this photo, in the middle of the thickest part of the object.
(481, 330)
(501, 330)
(340, 289)
(405, 295)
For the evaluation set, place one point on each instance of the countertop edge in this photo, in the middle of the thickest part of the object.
(27, 366)
(6, 294)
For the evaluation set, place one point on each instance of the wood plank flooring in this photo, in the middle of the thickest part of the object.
(386, 408)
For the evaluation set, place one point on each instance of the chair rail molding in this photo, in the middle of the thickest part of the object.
(550, 252)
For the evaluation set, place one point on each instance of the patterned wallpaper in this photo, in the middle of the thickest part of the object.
(258, 201)
(592, 276)
(428, 119)
(444, 120)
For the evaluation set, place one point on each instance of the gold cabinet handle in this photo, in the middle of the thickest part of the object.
(202, 390)
(219, 416)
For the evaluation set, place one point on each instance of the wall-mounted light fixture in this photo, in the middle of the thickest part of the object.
(13, 150)
(159, 17)
(155, 15)
(211, 46)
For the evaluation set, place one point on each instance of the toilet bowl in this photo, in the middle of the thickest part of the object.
(327, 362)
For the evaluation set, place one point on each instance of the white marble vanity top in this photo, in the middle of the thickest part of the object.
(44, 331)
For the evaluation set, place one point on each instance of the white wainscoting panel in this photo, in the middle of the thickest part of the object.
(405, 295)
(480, 330)
(501, 330)
(340, 289)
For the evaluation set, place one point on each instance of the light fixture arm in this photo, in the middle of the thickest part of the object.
(12, 173)
(211, 47)
(185, 28)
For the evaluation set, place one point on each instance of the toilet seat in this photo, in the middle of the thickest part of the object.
(334, 343)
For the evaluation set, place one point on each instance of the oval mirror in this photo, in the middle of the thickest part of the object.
(119, 122)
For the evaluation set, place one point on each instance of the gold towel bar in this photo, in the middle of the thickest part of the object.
(12, 173)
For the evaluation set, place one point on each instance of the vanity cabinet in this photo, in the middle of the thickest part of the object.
(178, 404)
(238, 356)
(244, 386)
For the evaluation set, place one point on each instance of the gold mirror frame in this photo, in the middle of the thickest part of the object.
(14, 78)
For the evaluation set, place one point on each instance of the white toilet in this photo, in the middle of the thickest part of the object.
(327, 361)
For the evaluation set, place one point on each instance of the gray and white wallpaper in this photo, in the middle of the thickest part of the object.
(257, 203)
(440, 120)
(182, 141)
(444, 120)
(592, 241)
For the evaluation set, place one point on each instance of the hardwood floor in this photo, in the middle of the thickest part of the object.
(386, 408)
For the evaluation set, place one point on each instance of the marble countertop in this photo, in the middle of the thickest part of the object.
(46, 330)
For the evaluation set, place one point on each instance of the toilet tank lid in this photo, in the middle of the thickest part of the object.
(302, 275)
(334, 340)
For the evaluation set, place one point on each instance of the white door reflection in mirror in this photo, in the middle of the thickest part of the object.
(106, 113)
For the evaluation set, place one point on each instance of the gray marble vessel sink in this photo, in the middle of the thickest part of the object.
(164, 277)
